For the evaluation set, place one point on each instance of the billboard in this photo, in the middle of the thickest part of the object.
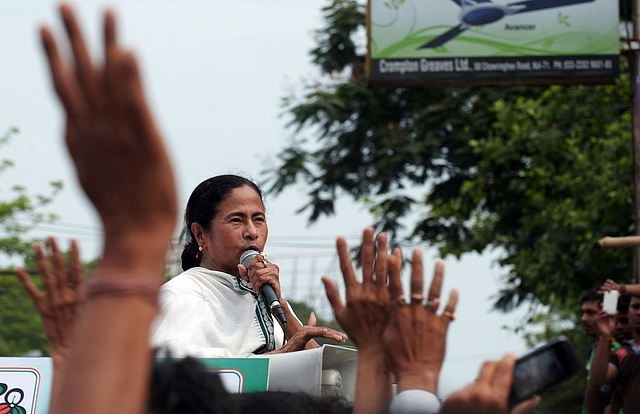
(463, 42)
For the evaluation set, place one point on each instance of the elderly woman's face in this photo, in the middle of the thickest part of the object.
(239, 225)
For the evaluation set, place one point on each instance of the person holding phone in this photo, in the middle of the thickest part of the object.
(621, 365)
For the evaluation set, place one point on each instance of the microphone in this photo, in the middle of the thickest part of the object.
(266, 289)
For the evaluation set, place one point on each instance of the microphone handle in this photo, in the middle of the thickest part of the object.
(274, 303)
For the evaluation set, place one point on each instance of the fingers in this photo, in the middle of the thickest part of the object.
(59, 267)
(84, 69)
(367, 255)
(487, 371)
(503, 374)
(45, 270)
(450, 310)
(436, 283)
(346, 267)
(76, 276)
(110, 40)
(31, 289)
(313, 320)
(381, 267)
(394, 266)
(333, 295)
(61, 83)
(417, 276)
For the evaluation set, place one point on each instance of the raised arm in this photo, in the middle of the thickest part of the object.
(364, 317)
(124, 169)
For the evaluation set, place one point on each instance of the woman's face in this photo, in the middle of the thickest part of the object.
(239, 225)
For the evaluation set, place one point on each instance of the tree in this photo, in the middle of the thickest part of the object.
(539, 173)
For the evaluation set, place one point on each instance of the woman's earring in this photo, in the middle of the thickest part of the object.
(199, 250)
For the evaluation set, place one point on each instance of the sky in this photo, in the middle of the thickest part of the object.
(215, 73)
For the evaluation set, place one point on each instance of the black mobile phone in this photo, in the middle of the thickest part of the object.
(543, 367)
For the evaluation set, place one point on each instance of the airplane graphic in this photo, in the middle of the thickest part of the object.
(480, 12)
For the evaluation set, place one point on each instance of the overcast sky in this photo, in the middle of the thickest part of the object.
(215, 73)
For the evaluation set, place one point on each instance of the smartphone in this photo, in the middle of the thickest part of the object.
(542, 368)
(610, 301)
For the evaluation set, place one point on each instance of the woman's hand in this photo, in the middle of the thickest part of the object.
(415, 338)
(306, 333)
(260, 272)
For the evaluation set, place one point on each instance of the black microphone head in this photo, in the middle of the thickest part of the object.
(248, 256)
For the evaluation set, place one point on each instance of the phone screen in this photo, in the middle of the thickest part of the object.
(542, 368)
(536, 373)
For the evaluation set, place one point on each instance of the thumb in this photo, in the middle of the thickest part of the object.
(312, 319)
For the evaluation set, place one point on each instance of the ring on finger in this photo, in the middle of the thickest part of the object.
(416, 298)
(401, 300)
(264, 263)
(449, 315)
(433, 303)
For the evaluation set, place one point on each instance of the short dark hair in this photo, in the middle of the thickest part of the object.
(591, 295)
(203, 205)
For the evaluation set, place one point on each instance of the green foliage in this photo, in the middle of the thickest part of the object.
(21, 212)
(21, 327)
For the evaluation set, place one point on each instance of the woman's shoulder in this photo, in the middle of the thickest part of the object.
(195, 278)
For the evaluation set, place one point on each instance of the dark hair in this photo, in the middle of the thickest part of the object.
(623, 303)
(591, 295)
(203, 205)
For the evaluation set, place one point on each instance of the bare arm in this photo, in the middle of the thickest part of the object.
(601, 372)
(118, 155)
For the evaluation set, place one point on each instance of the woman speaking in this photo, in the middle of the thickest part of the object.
(215, 308)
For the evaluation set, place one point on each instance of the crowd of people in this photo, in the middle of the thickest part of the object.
(104, 332)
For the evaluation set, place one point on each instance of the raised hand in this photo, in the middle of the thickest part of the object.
(58, 304)
(118, 153)
(366, 312)
(415, 338)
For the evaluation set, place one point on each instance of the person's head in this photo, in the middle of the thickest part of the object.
(623, 329)
(225, 216)
(591, 304)
(634, 316)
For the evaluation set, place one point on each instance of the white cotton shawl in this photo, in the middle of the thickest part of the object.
(205, 314)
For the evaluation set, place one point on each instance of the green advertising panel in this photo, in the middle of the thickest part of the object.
(484, 41)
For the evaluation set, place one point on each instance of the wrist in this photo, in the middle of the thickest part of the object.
(136, 252)
(623, 289)
(418, 380)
